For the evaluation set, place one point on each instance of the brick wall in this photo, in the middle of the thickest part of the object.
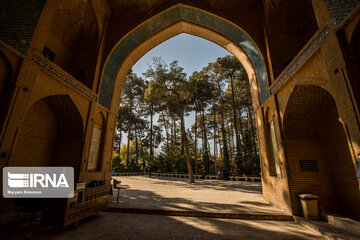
(18, 20)
(337, 155)
(318, 135)
(37, 137)
(339, 9)
(319, 183)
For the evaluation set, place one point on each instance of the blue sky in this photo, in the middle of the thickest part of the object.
(193, 53)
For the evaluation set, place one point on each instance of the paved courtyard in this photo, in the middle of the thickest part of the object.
(161, 193)
(176, 194)
(153, 227)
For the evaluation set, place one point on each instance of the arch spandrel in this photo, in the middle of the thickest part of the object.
(167, 18)
(192, 29)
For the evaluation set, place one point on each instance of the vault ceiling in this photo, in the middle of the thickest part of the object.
(121, 8)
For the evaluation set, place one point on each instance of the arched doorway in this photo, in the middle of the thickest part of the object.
(319, 160)
(173, 21)
(50, 135)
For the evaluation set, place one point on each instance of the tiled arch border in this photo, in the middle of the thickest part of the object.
(165, 19)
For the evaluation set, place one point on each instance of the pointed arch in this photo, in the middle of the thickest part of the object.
(172, 16)
(51, 134)
(318, 154)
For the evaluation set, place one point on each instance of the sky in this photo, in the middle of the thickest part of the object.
(193, 53)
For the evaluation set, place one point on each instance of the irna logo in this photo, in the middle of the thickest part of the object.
(38, 182)
(18, 180)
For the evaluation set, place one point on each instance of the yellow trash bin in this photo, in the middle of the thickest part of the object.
(309, 204)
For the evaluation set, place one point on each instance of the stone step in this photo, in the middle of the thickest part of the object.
(329, 231)
(273, 217)
(346, 224)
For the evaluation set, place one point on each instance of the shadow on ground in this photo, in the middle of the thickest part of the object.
(211, 184)
(134, 226)
(143, 199)
(113, 225)
(161, 193)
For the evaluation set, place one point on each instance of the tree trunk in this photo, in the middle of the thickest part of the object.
(222, 123)
(203, 125)
(182, 144)
(206, 160)
(248, 118)
(232, 145)
(226, 159)
(129, 135)
(186, 146)
(151, 130)
(234, 115)
(172, 131)
(252, 129)
(196, 112)
(215, 141)
(240, 124)
(167, 141)
(120, 138)
(231, 150)
(174, 126)
(136, 146)
(205, 141)
(220, 149)
(167, 133)
(142, 154)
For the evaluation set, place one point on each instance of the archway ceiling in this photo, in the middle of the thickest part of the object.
(305, 111)
(119, 8)
(67, 114)
(164, 20)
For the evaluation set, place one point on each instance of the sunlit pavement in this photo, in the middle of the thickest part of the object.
(176, 194)
(140, 226)
(142, 192)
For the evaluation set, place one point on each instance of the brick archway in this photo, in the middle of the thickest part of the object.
(319, 159)
(212, 27)
(51, 134)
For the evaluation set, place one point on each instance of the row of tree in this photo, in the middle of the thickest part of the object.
(218, 95)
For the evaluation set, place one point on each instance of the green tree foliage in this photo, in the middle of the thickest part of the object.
(133, 92)
(173, 92)
(217, 78)
(232, 69)
(219, 95)
(202, 91)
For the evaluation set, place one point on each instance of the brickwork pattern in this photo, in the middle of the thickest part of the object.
(43, 79)
(18, 20)
(313, 132)
(310, 50)
(302, 116)
(339, 9)
(166, 19)
(67, 114)
(36, 138)
(62, 75)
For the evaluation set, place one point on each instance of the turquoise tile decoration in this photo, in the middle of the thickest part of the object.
(176, 14)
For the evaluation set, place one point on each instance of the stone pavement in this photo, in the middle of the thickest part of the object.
(143, 227)
(205, 195)
(176, 194)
